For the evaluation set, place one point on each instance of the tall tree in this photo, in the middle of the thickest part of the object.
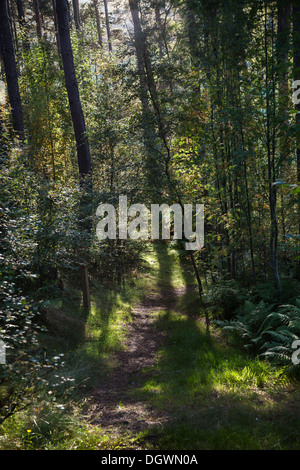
(21, 14)
(83, 149)
(38, 18)
(76, 14)
(56, 27)
(107, 25)
(97, 14)
(23, 24)
(11, 73)
(150, 106)
(159, 28)
(159, 175)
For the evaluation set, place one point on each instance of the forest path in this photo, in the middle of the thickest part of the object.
(113, 406)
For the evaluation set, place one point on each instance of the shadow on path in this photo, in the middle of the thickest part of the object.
(112, 405)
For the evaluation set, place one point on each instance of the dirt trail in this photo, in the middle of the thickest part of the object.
(112, 406)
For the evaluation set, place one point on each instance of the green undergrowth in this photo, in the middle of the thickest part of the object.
(211, 395)
(86, 342)
(214, 396)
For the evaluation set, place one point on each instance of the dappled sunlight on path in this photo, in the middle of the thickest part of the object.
(113, 405)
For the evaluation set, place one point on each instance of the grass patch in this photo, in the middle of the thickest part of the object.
(88, 343)
(215, 396)
(48, 428)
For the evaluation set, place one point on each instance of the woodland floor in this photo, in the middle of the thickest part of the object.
(173, 386)
(157, 378)
(112, 406)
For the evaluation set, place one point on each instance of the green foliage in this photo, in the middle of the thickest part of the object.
(26, 372)
(224, 298)
(215, 125)
(267, 330)
(112, 260)
(268, 293)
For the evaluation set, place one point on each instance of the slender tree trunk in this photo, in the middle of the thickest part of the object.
(76, 14)
(21, 14)
(8, 55)
(249, 221)
(159, 30)
(192, 35)
(146, 75)
(158, 160)
(97, 14)
(284, 16)
(83, 150)
(56, 27)
(23, 25)
(273, 245)
(11, 12)
(107, 26)
(139, 46)
(150, 137)
(38, 18)
(283, 48)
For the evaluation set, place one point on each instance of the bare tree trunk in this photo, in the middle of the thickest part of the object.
(139, 46)
(285, 10)
(107, 26)
(56, 27)
(83, 150)
(146, 73)
(269, 81)
(159, 30)
(192, 36)
(11, 12)
(38, 18)
(23, 24)
(21, 14)
(284, 16)
(154, 168)
(8, 54)
(76, 14)
(100, 41)
(249, 215)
